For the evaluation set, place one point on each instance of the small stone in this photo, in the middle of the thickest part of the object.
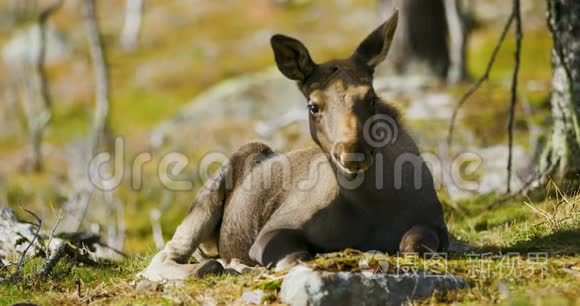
(253, 296)
(144, 285)
(304, 286)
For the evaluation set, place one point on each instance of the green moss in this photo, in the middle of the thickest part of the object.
(68, 122)
(134, 110)
(269, 285)
(535, 61)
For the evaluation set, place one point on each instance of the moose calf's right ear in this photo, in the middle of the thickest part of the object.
(374, 49)
(292, 57)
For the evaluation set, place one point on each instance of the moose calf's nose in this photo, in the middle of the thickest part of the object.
(350, 159)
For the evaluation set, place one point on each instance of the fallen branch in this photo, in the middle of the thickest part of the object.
(77, 247)
(478, 83)
(54, 258)
(514, 90)
(23, 256)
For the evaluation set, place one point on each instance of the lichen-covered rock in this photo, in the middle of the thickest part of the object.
(305, 286)
(251, 100)
(15, 236)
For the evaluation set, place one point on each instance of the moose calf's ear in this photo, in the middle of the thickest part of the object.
(292, 57)
(374, 49)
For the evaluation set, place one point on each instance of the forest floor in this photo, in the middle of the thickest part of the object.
(523, 253)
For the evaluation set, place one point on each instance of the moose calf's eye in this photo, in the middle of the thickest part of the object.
(313, 108)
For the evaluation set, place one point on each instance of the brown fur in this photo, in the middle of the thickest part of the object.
(256, 209)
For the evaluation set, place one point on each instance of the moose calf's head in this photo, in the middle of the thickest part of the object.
(340, 94)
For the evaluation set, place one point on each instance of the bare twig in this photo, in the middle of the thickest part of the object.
(116, 251)
(79, 284)
(514, 90)
(59, 218)
(475, 86)
(23, 256)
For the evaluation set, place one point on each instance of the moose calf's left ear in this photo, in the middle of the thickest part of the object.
(292, 57)
(374, 49)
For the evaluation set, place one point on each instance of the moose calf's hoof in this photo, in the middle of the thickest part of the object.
(208, 267)
(419, 239)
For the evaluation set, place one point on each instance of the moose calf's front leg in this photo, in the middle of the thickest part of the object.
(282, 248)
(199, 226)
(170, 264)
(202, 223)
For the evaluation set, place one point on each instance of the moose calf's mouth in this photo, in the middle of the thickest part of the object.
(351, 163)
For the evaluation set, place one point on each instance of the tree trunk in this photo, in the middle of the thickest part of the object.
(101, 74)
(101, 130)
(38, 103)
(132, 27)
(421, 36)
(458, 33)
(561, 158)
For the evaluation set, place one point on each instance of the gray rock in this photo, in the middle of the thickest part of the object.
(15, 237)
(258, 96)
(304, 286)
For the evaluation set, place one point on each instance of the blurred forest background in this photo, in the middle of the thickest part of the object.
(193, 77)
